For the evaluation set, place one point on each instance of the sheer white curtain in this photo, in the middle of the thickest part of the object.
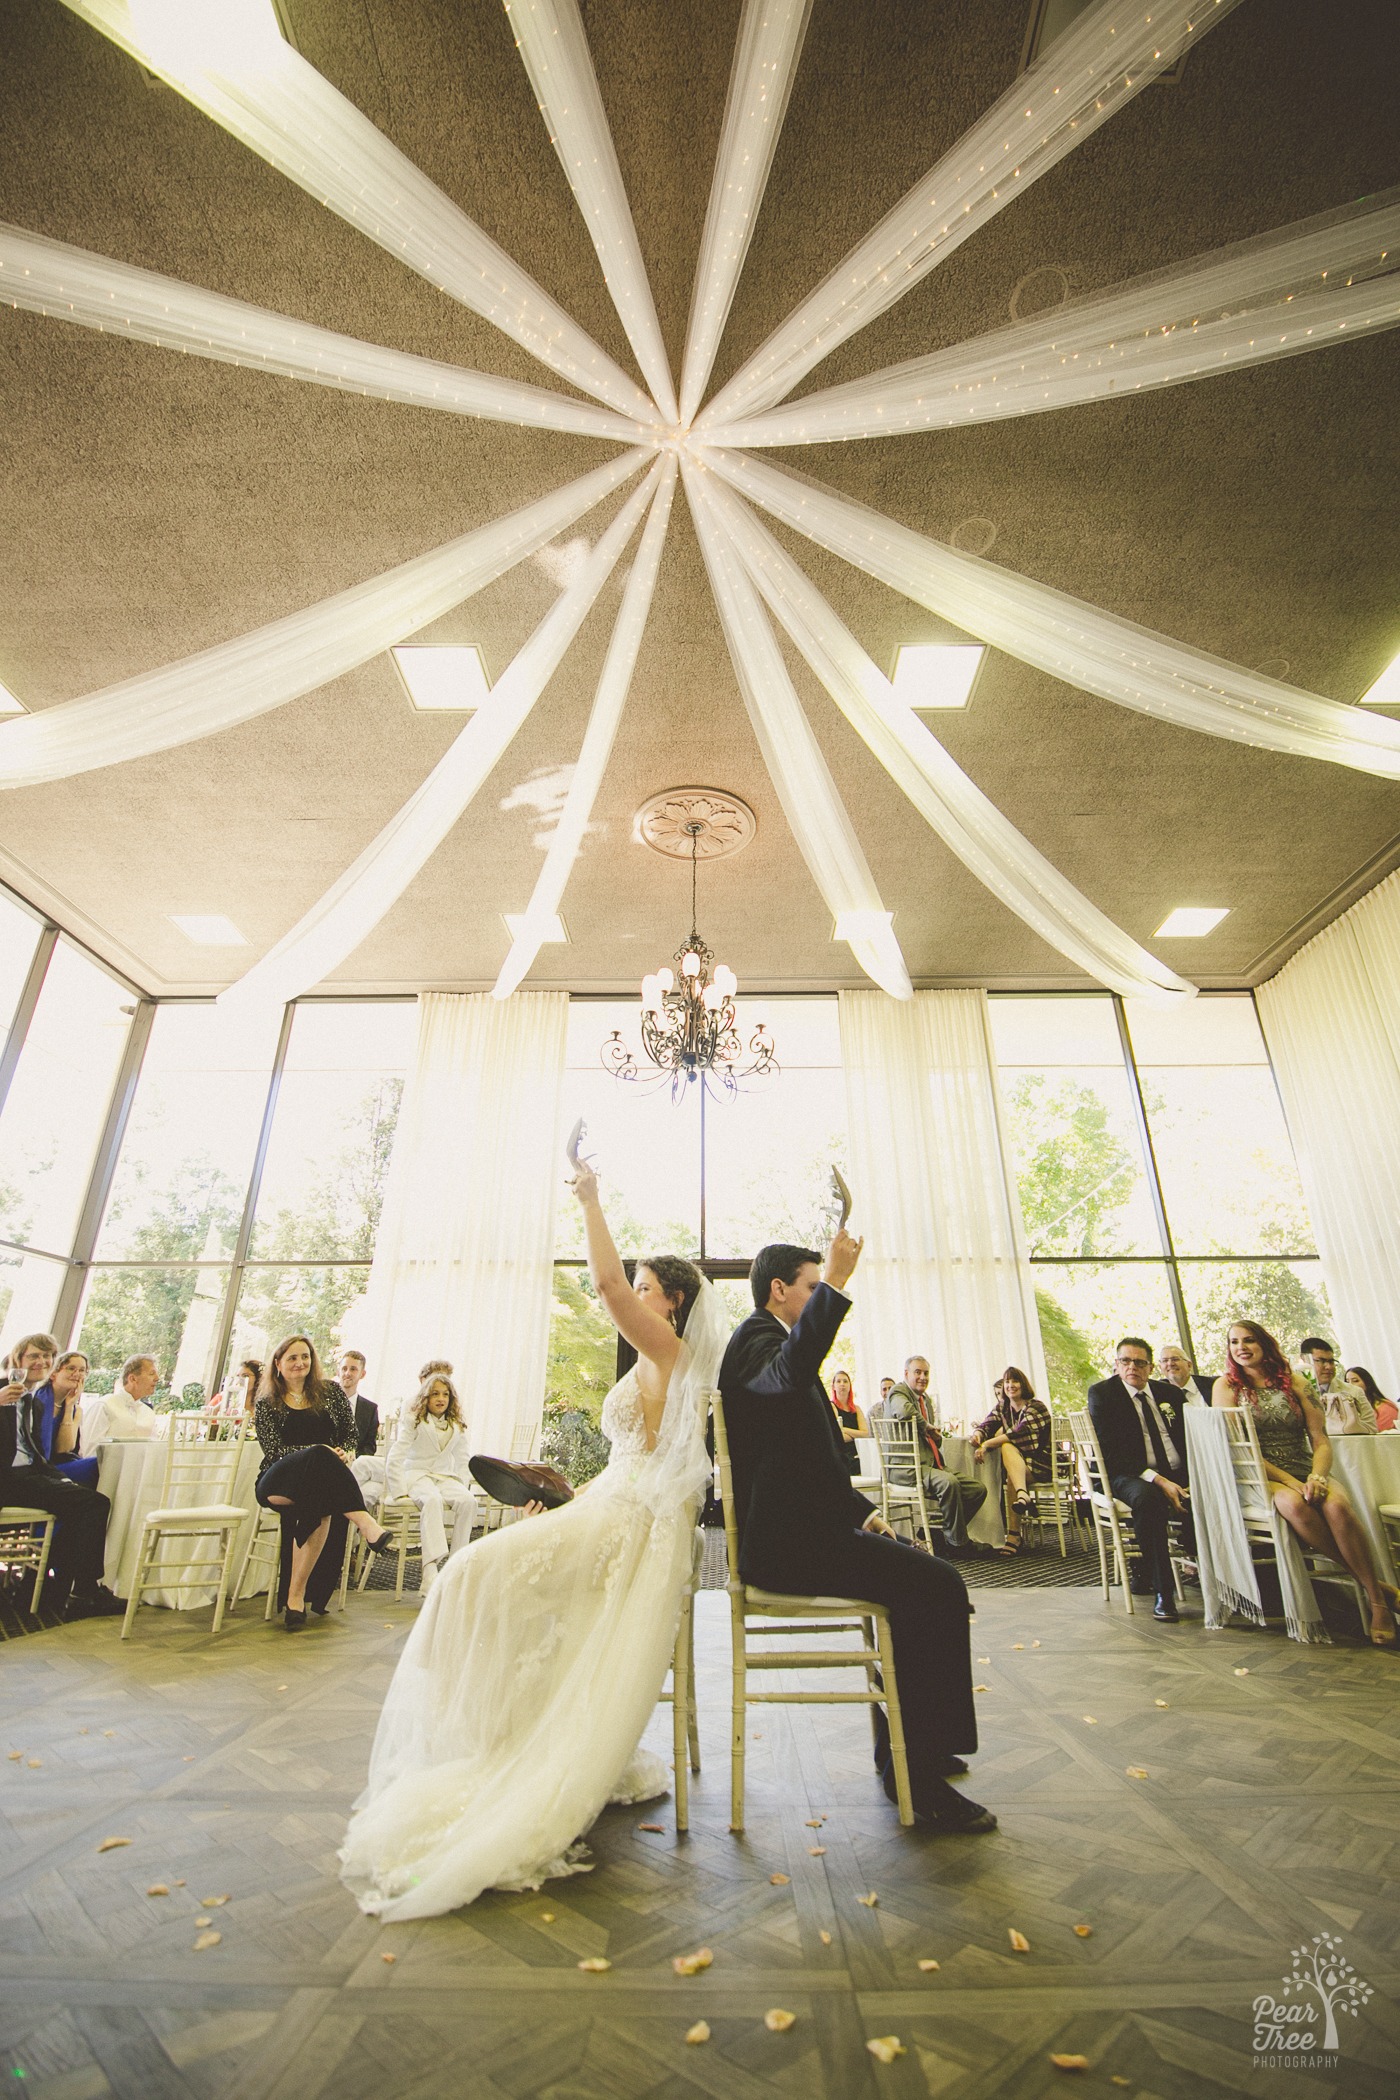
(464, 1261)
(944, 1273)
(1332, 1020)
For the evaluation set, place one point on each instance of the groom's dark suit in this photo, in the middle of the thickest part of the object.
(799, 1523)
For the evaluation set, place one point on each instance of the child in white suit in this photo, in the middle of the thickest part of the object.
(428, 1462)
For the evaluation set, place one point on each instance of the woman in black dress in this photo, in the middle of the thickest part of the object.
(304, 1423)
(850, 1420)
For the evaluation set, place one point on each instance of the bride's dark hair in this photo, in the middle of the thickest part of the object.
(677, 1278)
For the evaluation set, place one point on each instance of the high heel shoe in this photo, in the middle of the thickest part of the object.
(1382, 1636)
(383, 1544)
(293, 1620)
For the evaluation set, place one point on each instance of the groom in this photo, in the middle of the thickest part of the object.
(804, 1530)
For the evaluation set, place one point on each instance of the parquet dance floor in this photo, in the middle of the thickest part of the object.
(1269, 1813)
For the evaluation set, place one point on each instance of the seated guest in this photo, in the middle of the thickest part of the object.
(1019, 1427)
(28, 1481)
(886, 1388)
(1297, 1456)
(956, 1496)
(850, 1420)
(304, 1423)
(1177, 1369)
(350, 1371)
(239, 1396)
(126, 1411)
(1146, 1467)
(1386, 1412)
(1347, 1411)
(428, 1463)
(57, 1406)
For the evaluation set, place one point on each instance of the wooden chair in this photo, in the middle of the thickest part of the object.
(685, 1718)
(400, 1514)
(26, 1540)
(901, 1474)
(801, 1616)
(1105, 1511)
(1056, 1495)
(1256, 1501)
(204, 1474)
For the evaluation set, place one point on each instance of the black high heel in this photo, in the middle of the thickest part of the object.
(293, 1620)
(383, 1544)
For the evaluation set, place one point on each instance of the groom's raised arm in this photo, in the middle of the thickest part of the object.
(794, 1364)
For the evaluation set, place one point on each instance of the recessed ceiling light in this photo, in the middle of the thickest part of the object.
(209, 930)
(452, 678)
(8, 703)
(1189, 921)
(937, 674)
(1386, 690)
(516, 922)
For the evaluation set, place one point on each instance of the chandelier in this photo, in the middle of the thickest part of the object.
(690, 1028)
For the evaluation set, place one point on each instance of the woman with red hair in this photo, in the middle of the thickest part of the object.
(1298, 1462)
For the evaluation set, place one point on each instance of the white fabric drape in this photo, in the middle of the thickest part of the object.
(464, 1258)
(765, 60)
(1301, 287)
(1070, 639)
(1332, 1021)
(1084, 77)
(608, 703)
(73, 284)
(944, 1272)
(550, 38)
(352, 907)
(809, 796)
(972, 826)
(268, 97)
(236, 681)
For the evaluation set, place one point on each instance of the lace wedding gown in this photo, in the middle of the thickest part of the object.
(516, 1709)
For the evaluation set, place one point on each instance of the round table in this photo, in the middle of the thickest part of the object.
(988, 1527)
(131, 1474)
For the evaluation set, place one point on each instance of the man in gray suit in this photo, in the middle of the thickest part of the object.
(956, 1497)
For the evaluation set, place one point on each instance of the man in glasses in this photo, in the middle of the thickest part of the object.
(1145, 1461)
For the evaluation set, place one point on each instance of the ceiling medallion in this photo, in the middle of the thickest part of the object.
(690, 1028)
(722, 824)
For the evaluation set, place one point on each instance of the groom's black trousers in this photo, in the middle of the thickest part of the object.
(929, 1619)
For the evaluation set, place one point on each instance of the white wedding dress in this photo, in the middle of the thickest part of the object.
(516, 1710)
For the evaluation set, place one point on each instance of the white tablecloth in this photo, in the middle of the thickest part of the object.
(988, 1527)
(132, 1476)
(1369, 1469)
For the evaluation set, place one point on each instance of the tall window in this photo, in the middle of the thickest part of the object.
(1157, 1181)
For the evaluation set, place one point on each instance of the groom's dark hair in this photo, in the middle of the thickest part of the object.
(777, 1264)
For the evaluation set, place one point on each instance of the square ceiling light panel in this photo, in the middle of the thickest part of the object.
(1189, 921)
(8, 703)
(1386, 690)
(209, 929)
(937, 674)
(447, 679)
(516, 922)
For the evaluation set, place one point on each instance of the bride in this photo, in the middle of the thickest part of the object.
(516, 1709)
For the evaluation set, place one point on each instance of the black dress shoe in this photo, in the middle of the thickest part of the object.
(951, 1767)
(1165, 1610)
(293, 1620)
(97, 1603)
(938, 1809)
(1141, 1587)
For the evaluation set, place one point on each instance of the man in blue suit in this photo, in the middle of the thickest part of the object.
(804, 1530)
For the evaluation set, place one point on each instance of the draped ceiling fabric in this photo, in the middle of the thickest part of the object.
(1301, 287)
(464, 1258)
(1332, 1022)
(944, 1273)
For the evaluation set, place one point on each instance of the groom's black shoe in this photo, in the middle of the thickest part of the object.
(938, 1809)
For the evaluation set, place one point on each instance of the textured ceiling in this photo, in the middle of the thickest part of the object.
(154, 504)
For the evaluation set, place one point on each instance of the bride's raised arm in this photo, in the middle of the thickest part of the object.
(650, 1335)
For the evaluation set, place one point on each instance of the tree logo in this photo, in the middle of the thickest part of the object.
(1286, 2036)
